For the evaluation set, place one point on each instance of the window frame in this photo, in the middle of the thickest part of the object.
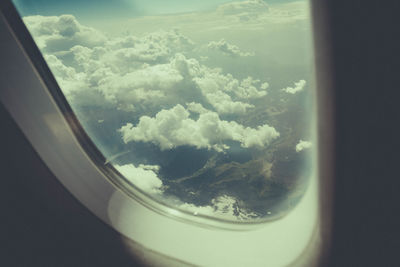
(48, 122)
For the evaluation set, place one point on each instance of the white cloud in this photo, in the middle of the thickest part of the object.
(144, 177)
(196, 108)
(258, 12)
(60, 33)
(302, 145)
(172, 128)
(223, 103)
(146, 84)
(178, 81)
(249, 7)
(224, 206)
(225, 93)
(59, 69)
(298, 87)
(68, 79)
(85, 59)
(247, 89)
(138, 73)
(154, 48)
(228, 49)
(211, 80)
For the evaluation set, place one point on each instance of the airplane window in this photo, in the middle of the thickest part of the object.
(205, 106)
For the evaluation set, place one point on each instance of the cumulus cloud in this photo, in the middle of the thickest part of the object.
(68, 78)
(138, 74)
(298, 87)
(227, 94)
(172, 128)
(144, 177)
(153, 48)
(60, 33)
(248, 90)
(224, 104)
(178, 81)
(196, 108)
(211, 80)
(224, 206)
(148, 83)
(302, 145)
(228, 49)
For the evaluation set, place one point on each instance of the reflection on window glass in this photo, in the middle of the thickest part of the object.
(204, 105)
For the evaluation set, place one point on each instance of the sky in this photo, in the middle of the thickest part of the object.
(124, 8)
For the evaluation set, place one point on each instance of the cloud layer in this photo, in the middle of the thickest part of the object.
(244, 10)
(131, 72)
(168, 94)
(172, 128)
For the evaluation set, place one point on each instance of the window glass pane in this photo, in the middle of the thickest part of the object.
(204, 105)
